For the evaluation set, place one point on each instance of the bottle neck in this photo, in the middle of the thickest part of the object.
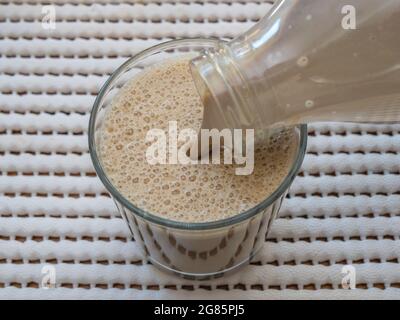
(232, 78)
(228, 97)
(301, 63)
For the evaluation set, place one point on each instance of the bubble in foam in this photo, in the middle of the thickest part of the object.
(302, 61)
(309, 104)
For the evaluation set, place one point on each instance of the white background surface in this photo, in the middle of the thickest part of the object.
(343, 207)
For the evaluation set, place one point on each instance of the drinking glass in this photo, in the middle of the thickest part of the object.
(192, 250)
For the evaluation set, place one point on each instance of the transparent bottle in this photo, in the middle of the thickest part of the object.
(306, 61)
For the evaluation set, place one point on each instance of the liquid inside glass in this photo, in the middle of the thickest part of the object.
(158, 96)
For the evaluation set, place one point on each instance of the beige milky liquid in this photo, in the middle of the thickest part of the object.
(189, 193)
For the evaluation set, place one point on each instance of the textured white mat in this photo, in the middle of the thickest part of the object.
(343, 208)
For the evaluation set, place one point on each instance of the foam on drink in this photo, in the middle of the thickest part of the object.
(188, 193)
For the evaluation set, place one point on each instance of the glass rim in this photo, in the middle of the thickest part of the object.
(280, 190)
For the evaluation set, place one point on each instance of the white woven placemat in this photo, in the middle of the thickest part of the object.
(343, 208)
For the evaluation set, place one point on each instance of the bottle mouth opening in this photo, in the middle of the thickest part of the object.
(210, 85)
(217, 81)
(224, 91)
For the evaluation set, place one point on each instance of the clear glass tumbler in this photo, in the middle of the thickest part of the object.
(192, 250)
